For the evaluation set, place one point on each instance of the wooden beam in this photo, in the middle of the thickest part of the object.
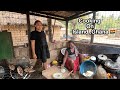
(42, 12)
(83, 14)
(43, 15)
(38, 14)
(75, 15)
(57, 17)
(28, 32)
(92, 35)
(66, 30)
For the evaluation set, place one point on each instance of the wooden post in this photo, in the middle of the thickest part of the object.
(50, 29)
(28, 32)
(66, 30)
(92, 35)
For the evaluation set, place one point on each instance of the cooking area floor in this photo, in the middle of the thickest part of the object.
(101, 73)
(38, 74)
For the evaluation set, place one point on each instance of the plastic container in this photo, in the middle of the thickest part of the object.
(88, 66)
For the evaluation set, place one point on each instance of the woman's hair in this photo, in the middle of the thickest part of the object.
(36, 23)
(70, 42)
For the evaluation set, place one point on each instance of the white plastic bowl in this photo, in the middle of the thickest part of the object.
(63, 51)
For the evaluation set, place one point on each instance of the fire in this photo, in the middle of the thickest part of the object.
(109, 75)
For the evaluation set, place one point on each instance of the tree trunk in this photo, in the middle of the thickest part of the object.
(74, 24)
(50, 29)
(28, 32)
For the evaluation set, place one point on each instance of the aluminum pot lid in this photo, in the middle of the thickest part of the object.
(102, 57)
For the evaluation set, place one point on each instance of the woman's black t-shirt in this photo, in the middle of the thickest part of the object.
(41, 46)
(69, 51)
(39, 37)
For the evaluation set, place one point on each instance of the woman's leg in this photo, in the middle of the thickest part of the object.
(72, 64)
(38, 65)
(45, 65)
(75, 65)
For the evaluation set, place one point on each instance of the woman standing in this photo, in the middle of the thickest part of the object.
(39, 44)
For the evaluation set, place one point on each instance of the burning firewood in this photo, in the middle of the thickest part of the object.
(29, 69)
(11, 67)
(20, 71)
(109, 75)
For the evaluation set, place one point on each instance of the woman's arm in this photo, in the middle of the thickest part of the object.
(65, 57)
(33, 49)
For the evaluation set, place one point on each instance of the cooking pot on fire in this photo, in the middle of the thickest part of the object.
(112, 65)
(102, 57)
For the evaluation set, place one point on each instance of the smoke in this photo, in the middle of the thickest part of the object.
(118, 60)
(117, 63)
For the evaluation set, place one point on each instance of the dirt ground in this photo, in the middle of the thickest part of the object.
(38, 73)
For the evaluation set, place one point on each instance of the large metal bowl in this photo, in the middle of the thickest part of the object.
(111, 65)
